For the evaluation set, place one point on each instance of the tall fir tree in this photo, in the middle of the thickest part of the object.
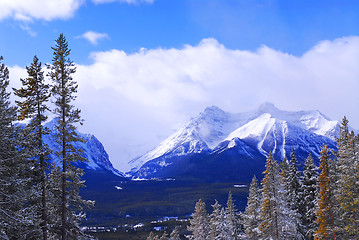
(325, 214)
(269, 226)
(199, 224)
(16, 216)
(69, 181)
(32, 105)
(295, 192)
(278, 221)
(250, 217)
(310, 192)
(347, 191)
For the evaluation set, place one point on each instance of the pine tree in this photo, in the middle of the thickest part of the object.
(325, 215)
(309, 184)
(15, 215)
(278, 221)
(151, 236)
(199, 224)
(164, 236)
(34, 94)
(216, 221)
(269, 226)
(63, 91)
(347, 190)
(250, 217)
(175, 234)
(295, 192)
(231, 218)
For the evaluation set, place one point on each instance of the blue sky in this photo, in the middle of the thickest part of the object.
(289, 26)
(146, 66)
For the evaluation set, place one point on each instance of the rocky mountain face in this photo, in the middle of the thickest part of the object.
(221, 146)
(93, 150)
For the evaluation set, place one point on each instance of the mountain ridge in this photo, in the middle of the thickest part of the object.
(264, 129)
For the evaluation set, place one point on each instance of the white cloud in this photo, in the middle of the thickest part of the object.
(27, 11)
(94, 37)
(133, 2)
(133, 101)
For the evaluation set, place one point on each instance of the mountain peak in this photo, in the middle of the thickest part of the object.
(267, 107)
(213, 110)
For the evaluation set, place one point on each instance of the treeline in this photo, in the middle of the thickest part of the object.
(316, 203)
(39, 199)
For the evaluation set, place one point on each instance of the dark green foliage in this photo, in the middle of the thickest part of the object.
(66, 180)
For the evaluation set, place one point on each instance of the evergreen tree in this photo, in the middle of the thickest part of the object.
(325, 215)
(199, 224)
(250, 217)
(164, 236)
(309, 184)
(295, 193)
(15, 215)
(278, 221)
(347, 190)
(34, 94)
(175, 234)
(269, 226)
(216, 221)
(231, 219)
(69, 181)
(151, 236)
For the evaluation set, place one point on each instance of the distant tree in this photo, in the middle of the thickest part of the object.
(250, 217)
(33, 95)
(164, 236)
(310, 191)
(151, 236)
(325, 215)
(199, 224)
(67, 182)
(175, 234)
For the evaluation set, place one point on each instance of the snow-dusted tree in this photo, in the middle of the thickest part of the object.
(347, 191)
(15, 215)
(269, 226)
(199, 224)
(250, 217)
(325, 215)
(309, 185)
(164, 236)
(231, 218)
(33, 95)
(277, 219)
(216, 221)
(69, 181)
(295, 193)
(175, 234)
(151, 236)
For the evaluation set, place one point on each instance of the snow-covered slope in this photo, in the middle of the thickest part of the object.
(266, 129)
(93, 151)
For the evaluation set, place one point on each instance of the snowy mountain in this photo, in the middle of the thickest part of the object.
(93, 151)
(216, 134)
